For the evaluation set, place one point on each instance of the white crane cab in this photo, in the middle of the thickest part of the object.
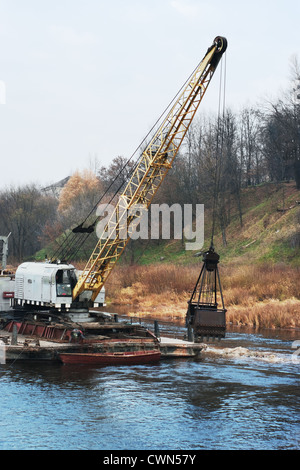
(50, 286)
(44, 285)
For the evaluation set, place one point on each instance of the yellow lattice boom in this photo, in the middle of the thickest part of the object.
(152, 168)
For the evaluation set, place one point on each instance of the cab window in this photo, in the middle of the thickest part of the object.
(64, 282)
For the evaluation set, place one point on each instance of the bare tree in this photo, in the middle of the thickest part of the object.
(250, 146)
(25, 212)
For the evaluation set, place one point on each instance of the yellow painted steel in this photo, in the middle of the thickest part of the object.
(153, 166)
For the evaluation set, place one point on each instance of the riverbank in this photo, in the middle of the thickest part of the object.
(265, 296)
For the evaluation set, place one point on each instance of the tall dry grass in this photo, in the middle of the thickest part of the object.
(267, 314)
(259, 296)
(245, 285)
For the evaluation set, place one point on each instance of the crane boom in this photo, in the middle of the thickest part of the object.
(153, 166)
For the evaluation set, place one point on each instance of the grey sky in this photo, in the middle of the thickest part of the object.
(89, 78)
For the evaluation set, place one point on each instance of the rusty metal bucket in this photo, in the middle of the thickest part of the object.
(203, 315)
(208, 322)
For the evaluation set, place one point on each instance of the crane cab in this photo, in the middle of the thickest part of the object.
(45, 285)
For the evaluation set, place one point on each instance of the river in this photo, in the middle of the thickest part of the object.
(242, 393)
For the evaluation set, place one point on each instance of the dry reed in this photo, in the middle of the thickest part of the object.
(258, 296)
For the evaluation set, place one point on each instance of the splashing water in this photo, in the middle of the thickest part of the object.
(241, 352)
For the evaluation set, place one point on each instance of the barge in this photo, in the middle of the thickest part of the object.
(35, 333)
(59, 342)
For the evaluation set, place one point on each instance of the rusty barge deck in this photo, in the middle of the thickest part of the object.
(29, 341)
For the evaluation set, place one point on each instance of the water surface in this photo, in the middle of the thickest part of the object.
(229, 398)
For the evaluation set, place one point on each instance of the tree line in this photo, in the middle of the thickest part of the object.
(220, 156)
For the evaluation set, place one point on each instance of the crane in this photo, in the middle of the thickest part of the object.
(154, 164)
(59, 281)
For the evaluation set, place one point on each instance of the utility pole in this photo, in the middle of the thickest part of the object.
(4, 250)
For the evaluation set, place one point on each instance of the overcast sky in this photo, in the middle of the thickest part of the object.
(88, 78)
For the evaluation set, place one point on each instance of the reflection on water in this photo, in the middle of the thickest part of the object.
(218, 401)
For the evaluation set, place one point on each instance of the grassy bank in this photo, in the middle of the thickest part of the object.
(269, 234)
(260, 295)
